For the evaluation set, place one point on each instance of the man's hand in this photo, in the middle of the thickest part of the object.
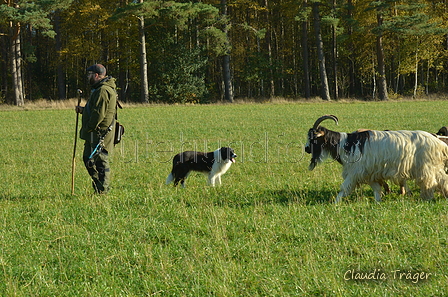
(79, 109)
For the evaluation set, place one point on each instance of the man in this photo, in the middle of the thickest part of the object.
(98, 123)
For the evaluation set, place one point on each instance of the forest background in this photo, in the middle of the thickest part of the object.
(207, 51)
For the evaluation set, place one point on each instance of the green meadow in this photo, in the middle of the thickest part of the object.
(271, 229)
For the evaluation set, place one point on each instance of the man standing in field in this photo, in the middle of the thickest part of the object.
(98, 123)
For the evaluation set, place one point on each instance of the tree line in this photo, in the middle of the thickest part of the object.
(204, 51)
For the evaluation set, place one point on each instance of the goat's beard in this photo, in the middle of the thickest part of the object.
(318, 158)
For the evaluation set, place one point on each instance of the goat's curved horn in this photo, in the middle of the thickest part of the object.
(324, 117)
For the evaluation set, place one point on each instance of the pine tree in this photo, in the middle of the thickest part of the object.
(19, 14)
(226, 76)
(325, 90)
(415, 32)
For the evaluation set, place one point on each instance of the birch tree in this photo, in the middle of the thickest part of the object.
(144, 89)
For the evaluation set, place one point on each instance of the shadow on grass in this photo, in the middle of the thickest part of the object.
(38, 196)
(9, 197)
(307, 197)
(301, 196)
(279, 197)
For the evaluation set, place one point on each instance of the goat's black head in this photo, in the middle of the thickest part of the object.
(443, 131)
(316, 140)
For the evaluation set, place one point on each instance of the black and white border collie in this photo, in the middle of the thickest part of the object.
(213, 164)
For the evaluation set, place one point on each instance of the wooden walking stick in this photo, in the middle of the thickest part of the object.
(74, 146)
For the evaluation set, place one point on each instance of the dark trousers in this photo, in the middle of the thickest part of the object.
(98, 168)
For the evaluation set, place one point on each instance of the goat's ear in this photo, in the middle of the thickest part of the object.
(320, 133)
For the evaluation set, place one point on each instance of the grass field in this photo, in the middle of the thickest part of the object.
(270, 230)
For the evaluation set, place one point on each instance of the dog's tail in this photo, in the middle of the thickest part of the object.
(170, 178)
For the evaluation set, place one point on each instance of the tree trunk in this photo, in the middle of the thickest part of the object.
(427, 78)
(16, 65)
(335, 58)
(4, 48)
(269, 50)
(123, 80)
(144, 89)
(60, 70)
(355, 88)
(226, 75)
(381, 76)
(416, 74)
(305, 58)
(320, 54)
(373, 79)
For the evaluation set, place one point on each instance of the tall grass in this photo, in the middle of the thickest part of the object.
(270, 230)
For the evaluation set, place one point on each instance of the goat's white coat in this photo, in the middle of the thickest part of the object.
(396, 156)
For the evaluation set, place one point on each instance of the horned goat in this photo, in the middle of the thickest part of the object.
(373, 157)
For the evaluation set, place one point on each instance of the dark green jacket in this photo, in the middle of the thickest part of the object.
(99, 113)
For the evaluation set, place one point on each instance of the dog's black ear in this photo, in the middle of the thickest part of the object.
(224, 153)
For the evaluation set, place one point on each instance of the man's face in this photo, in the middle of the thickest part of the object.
(92, 77)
